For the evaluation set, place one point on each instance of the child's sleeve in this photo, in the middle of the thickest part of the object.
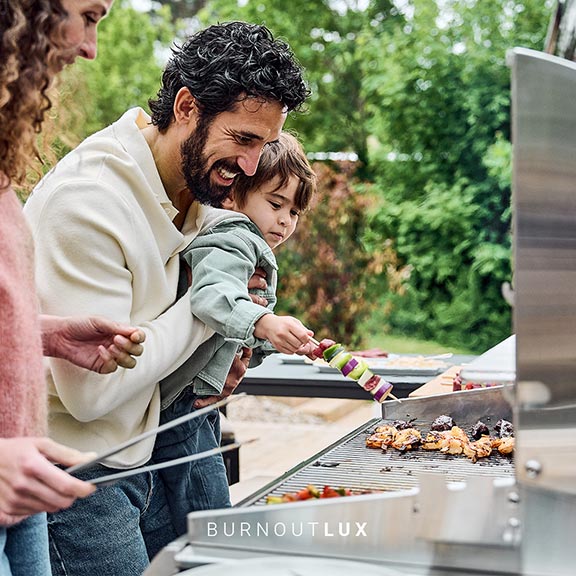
(221, 265)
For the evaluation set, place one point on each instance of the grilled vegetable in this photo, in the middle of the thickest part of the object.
(354, 368)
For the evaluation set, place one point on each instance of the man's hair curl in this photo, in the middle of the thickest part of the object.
(225, 63)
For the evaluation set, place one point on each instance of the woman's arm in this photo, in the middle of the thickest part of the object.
(91, 342)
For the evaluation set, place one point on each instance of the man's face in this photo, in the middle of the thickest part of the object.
(222, 147)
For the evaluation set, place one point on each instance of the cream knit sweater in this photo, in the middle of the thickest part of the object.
(106, 245)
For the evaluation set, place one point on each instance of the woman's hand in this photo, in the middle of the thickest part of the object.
(92, 342)
(31, 483)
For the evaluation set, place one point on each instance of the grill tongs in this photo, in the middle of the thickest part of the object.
(113, 478)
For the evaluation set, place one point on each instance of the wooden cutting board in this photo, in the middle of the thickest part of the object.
(442, 384)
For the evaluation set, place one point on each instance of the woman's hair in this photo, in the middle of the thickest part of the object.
(281, 159)
(225, 63)
(29, 32)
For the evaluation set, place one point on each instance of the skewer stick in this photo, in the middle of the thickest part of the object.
(316, 343)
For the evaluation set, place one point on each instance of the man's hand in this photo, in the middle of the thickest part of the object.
(237, 372)
(258, 282)
(92, 342)
(29, 481)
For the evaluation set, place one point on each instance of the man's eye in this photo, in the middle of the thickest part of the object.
(243, 139)
(91, 19)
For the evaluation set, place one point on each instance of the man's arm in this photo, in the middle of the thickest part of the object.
(106, 262)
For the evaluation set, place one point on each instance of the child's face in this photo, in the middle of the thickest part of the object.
(273, 211)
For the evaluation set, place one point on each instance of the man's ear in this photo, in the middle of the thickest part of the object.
(185, 107)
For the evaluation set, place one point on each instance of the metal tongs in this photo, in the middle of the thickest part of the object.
(113, 478)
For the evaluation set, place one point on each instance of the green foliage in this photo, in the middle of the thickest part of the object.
(438, 93)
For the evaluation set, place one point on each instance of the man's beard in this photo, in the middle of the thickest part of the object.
(195, 167)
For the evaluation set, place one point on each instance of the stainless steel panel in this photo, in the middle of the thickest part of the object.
(544, 196)
(544, 177)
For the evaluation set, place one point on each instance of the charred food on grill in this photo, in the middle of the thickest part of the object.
(504, 429)
(478, 430)
(442, 423)
(453, 440)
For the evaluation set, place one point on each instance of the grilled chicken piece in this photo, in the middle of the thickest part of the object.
(504, 445)
(435, 440)
(455, 441)
(406, 439)
(454, 445)
(382, 438)
(481, 448)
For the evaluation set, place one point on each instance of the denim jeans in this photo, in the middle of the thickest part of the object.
(24, 548)
(117, 530)
(200, 485)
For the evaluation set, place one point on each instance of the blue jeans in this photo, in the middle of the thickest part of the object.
(24, 548)
(200, 485)
(117, 530)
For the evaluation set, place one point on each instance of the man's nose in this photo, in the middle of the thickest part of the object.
(248, 162)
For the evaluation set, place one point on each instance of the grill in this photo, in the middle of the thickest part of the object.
(495, 522)
(412, 489)
(350, 464)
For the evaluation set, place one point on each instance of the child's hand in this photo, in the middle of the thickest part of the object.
(285, 333)
(307, 350)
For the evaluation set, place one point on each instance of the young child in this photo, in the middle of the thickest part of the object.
(222, 260)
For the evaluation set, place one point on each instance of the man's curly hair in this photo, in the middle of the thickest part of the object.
(226, 63)
(29, 31)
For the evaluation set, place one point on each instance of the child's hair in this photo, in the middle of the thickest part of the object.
(283, 158)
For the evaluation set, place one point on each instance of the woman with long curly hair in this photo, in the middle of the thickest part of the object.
(37, 39)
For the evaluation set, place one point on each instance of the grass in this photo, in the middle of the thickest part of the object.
(406, 345)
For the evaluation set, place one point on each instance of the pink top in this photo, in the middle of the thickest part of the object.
(22, 385)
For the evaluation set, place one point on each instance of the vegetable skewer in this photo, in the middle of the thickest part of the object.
(356, 369)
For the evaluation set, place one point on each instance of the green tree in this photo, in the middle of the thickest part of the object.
(438, 95)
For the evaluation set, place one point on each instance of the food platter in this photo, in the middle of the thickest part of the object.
(293, 359)
(393, 365)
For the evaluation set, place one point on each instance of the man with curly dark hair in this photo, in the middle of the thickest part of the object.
(109, 222)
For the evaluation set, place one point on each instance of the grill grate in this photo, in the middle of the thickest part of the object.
(350, 464)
